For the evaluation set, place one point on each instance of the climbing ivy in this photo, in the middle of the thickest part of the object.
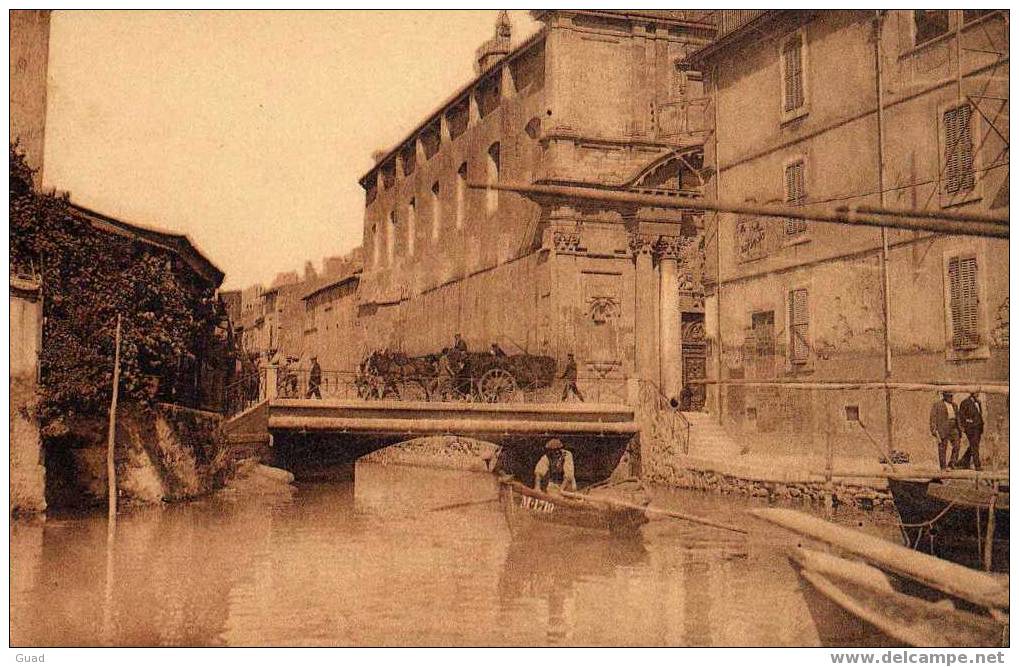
(89, 277)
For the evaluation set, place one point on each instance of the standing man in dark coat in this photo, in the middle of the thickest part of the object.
(570, 375)
(944, 423)
(971, 419)
(315, 379)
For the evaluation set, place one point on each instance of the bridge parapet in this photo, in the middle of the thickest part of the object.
(495, 386)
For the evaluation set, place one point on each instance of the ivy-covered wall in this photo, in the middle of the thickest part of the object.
(172, 321)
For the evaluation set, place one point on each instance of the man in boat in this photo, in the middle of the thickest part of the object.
(971, 418)
(944, 423)
(570, 375)
(554, 470)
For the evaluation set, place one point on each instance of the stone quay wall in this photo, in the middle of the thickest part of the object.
(866, 493)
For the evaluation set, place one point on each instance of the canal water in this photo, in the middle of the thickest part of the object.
(380, 562)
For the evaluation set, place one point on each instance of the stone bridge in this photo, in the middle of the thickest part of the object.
(311, 434)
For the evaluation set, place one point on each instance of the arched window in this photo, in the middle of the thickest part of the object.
(391, 238)
(436, 211)
(412, 223)
(461, 194)
(376, 245)
(492, 197)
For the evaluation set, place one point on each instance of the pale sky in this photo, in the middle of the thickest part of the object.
(247, 131)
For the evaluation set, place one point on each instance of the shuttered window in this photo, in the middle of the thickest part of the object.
(929, 24)
(799, 324)
(958, 126)
(964, 302)
(795, 195)
(792, 73)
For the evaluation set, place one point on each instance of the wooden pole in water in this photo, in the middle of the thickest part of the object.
(829, 485)
(111, 468)
(111, 490)
(989, 538)
(653, 510)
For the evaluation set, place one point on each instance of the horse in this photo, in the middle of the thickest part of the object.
(386, 371)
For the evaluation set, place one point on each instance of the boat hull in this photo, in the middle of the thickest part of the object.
(956, 516)
(527, 509)
(854, 604)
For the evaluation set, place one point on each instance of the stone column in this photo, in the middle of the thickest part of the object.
(670, 248)
(271, 377)
(642, 245)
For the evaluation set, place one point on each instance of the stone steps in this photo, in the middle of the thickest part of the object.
(708, 438)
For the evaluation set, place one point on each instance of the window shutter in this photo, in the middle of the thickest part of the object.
(799, 323)
(964, 302)
(792, 60)
(795, 195)
(959, 176)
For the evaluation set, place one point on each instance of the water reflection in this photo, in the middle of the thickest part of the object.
(380, 562)
(547, 563)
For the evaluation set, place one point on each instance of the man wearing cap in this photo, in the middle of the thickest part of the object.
(554, 470)
(944, 423)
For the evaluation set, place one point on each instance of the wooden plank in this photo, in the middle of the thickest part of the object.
(962, 582)
(982, 387)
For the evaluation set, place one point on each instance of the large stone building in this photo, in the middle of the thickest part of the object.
(900, 109)
(595, 98)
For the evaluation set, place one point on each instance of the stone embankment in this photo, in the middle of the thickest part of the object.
(781, 481)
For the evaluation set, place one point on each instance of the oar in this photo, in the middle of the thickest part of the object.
(669, 513)
(466, 504)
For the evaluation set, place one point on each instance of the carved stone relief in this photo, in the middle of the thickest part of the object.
(566, 241)
(603, 308)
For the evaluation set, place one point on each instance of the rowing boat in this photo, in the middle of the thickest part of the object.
(854, 604)
(949, 519)
(896, 594)
(526, 508)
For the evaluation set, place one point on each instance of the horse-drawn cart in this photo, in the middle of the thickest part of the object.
(465, 376)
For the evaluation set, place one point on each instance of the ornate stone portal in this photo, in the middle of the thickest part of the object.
(664, 275)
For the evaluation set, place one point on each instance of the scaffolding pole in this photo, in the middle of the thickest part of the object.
(991, 227)
(954, 387)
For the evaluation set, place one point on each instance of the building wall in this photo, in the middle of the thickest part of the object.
(840, 266)
(28, 476)
(487, 235)
(29, 51)
(332, 331)
(509, 304)
(502, 276)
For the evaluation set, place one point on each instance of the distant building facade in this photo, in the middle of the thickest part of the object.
(274, 323)
(840, 107)
(618, 287)
(332, 330)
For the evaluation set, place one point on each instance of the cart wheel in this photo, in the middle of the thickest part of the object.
(497, 385)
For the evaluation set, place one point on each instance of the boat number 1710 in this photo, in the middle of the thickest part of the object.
(538, 504)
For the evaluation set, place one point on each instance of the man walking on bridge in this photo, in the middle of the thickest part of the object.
(315, 380)
(570, 375)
